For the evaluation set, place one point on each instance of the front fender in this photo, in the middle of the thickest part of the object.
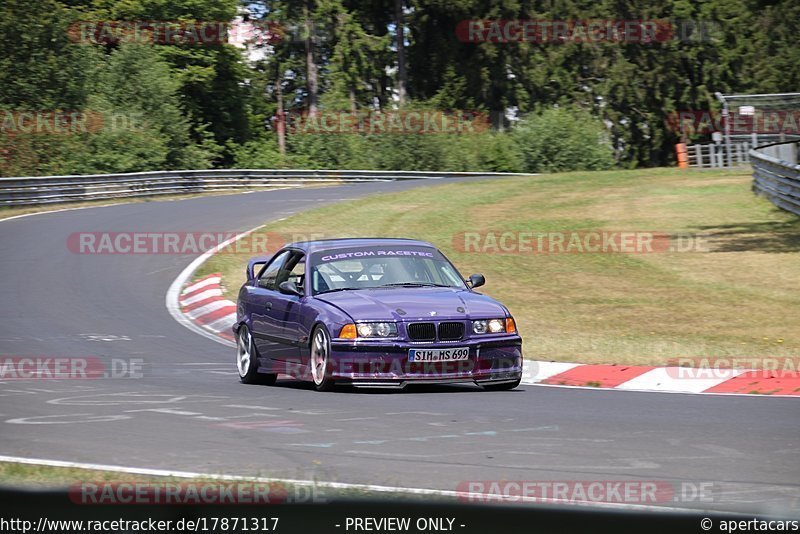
(320, 312)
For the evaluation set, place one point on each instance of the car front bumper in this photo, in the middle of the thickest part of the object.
(379, 363)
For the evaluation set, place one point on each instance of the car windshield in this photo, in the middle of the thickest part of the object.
(371, 268)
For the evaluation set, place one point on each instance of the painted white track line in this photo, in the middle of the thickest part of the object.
(11, 218)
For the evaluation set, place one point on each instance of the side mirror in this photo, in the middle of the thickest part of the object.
(289, 288)
(476, 280)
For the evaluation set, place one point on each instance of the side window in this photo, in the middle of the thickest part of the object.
(294, 273)
(293, 270)
(268, 277)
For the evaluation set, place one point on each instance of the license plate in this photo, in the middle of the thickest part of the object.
(438, 355)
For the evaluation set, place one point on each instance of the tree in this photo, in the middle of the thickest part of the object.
(559, 139)
(40, 68)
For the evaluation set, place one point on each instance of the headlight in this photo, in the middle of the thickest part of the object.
(376, 329)
(489, 326)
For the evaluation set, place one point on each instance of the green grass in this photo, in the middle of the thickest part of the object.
(738, 297)
(41, 477)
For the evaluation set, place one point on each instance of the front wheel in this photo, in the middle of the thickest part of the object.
(319, 359)
(502, 387)
(247, 360)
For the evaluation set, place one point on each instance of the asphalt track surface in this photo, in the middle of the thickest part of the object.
(189, 412)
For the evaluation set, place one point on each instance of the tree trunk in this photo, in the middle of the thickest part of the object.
(311, 66)
(352, 95)
(280, 121)
(402, 77)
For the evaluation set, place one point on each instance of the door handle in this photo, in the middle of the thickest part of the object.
(268, 306)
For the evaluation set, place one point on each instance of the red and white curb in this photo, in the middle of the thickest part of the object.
(202, 303)
(663, 379)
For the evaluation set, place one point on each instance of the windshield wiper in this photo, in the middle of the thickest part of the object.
(413, 284)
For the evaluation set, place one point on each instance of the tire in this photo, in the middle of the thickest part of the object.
(247, 360)
(502, 387)
(319, 359)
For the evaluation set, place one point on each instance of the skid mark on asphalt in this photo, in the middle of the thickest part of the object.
(435, 414)
(200, 407)
(121, 399)
(104, 337)
(721, 451)
(243, 417)
(399, 455)
(425, 439)
(251, 407)
(66, 419)
(168, 411)
(278, 427)
(621, 463)
(37, 391)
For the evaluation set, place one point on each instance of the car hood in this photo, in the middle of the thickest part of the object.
(414, 304)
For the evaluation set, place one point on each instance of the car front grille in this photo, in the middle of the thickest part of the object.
(451, 331)
(448, 331)
(421, 332)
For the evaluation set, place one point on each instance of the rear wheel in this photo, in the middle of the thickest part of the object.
(247, 360)
(319, 358)
(502, 387)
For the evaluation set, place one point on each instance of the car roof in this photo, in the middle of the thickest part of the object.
(349, 242)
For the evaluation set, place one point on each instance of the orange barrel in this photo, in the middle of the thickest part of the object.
(683, 156)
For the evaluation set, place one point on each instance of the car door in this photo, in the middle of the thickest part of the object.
(266, 334)
(286, 312)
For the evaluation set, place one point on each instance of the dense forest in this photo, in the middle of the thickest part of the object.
(87, 86)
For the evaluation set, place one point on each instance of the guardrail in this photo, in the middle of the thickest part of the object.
(776, 174)
(78, 188)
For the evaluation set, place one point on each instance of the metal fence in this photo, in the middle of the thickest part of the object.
(716, 155)
(776, 174)
(79, 188)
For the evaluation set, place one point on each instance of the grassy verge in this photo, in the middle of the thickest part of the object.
(39, 477)
(734, 295)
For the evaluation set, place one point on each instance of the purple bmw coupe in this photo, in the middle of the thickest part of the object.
(371, 312)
